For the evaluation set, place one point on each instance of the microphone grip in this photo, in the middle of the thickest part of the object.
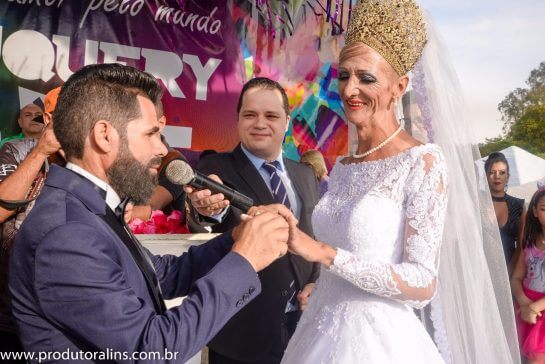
(235, 198)
(240, 201)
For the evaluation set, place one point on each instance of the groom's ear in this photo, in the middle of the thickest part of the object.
(103, 136)
(103, 141)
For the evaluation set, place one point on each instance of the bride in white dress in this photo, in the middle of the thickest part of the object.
(385, 219)
(382, 220)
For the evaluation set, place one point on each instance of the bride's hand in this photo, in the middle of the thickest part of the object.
(309, 249)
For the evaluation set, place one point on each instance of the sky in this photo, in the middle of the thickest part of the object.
(494, 45)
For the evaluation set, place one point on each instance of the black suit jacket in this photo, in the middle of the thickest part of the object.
(254, 330)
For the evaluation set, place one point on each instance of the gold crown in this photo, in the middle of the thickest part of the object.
(393, 28)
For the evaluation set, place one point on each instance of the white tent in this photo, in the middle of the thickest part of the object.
(524, 168)
(525, 191)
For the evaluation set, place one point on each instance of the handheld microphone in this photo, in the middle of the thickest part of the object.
(181, 173)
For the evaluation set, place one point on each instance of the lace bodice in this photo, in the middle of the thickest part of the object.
(386, 220)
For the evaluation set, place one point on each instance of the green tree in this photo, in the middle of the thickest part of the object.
(523, 113)
(517, 102)
(495, 145)
(529, 130)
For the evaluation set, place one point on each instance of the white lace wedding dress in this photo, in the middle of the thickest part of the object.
(386, 220)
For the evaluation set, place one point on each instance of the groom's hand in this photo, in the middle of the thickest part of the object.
(279, 209)
(262, 238)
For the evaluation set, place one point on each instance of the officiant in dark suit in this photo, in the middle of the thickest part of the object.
(259, 333)
(80, 281)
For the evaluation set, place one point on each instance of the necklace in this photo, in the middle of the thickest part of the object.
(374, 149)
(499, 199)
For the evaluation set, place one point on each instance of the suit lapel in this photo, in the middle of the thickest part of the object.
(140, 257)
(83, 189)
(252, 178)
(91, 196)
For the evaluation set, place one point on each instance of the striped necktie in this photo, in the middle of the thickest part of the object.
(281, 196)
(277, 186)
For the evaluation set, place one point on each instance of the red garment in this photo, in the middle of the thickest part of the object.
(532, 336)
(159, 223)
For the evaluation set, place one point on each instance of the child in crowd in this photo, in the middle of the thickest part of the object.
(528, 283)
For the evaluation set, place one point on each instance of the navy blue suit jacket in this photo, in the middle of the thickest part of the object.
(76, 286)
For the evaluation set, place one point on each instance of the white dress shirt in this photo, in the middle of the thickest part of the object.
(112, 198)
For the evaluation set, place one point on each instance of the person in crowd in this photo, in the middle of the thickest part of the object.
(24, 164)
(80, 282)
(260, 332)
(510, 211)
(315, 160)
(380, 225)
(528, 283)
(30, 123)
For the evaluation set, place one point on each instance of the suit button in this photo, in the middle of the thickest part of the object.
(251, 290)
(246, 297)
(239, 304)
(284, 293)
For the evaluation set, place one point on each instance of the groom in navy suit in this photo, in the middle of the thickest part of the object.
(80, 281)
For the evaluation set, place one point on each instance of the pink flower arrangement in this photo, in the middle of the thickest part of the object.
(159, 223)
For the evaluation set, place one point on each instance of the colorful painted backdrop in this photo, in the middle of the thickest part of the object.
(201, 51)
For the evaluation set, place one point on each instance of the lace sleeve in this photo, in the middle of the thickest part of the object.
(413, 280)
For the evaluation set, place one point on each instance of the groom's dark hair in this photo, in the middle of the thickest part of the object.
(100, 92)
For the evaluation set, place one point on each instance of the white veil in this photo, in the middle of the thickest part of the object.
(472, 313)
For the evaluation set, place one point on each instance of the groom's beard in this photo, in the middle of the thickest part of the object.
(132, 179)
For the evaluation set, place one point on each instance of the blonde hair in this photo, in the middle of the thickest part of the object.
(316, 161)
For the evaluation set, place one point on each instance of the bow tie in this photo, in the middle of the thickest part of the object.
(120, 209)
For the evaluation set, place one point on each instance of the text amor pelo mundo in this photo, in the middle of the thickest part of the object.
(165, 14)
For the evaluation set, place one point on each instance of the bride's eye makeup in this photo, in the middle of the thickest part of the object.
(366, 77)
(363, 76)
(344, 75)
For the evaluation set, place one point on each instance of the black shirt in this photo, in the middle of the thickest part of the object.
(510, 231)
